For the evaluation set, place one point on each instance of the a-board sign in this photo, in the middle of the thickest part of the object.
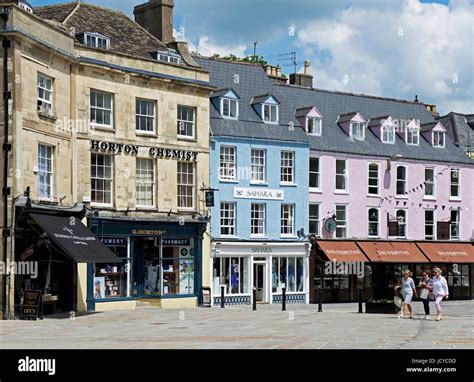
(30, 309)
(206, 297)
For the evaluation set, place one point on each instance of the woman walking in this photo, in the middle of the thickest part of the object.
(440, 290)
(408, 290)
(426, 286)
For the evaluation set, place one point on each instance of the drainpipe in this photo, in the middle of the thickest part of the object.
(6, 149)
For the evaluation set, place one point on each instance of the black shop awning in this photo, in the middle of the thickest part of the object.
(75, 239)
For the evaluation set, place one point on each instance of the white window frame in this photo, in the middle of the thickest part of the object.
(95, 39)
(139, 115)
(318, 174)
(270, 107)
(345, 224)
(369, 186)
(287, 220)
(436, 139)
(427, 237)
(456, 223)
(369, 222)
(193, 185)
(405, 211)
(48, 174)
(390, 131)
(287, 171)
(415, 136)
(227, 163)
(260, 227)
(344, 175)
(146, 183)
(186, 122)
(433, 182)
(457, 185)
(405, 181)
(225, 100)
(44, 105)
(228, 212)
(315, 219)
(311, 122)
(357, 126)
(111, 180)
(257, 168)
(102, 109)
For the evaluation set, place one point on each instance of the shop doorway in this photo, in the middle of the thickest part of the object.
(259, 281)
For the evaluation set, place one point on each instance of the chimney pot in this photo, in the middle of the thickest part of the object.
(268, 69)
(278, 72)
(307, 67)
(274, 71)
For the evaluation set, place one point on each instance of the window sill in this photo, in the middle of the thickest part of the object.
(341, 192)
(373, 196)
(455, 200)
(229, 181)
(145, 134)
(102, 128)
(228, 237)
(259, 184)
(429, 198)
(315, 190)
(288, 185)
(401, 197)
(230, 118)
(189, 139)
(52, 117)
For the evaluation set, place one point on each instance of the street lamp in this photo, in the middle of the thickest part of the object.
(394, 158)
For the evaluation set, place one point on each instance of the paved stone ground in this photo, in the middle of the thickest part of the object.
(301, 327)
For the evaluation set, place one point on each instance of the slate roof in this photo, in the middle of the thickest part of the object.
(460, 128)
(347, 117)
(303, 112)
(376, 121)
(253, 82)
(427, 126)
(223, 92)
(125, 35)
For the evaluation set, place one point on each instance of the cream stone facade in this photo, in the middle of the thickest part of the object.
(50, 49)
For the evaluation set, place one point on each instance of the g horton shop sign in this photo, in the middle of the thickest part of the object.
(155, 152)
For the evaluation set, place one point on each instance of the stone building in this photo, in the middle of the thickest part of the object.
(108, 122)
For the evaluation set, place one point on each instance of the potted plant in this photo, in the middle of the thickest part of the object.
(383, 306)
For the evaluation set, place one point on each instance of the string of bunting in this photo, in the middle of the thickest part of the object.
(420, 187)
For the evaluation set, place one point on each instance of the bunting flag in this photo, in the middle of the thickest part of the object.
(436, 206)
(404, 204)
(444, 207)
(413, 190)
(398, 202)
(420, 205)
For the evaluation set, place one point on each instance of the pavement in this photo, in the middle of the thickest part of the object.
(339, 326)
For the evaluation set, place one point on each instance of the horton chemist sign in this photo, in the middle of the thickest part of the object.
(155, 152)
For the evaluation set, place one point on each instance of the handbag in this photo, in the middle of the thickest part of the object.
(431, 296)
(424, 294)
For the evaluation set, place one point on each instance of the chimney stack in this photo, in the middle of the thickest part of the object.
(304, 79)
(156, 17)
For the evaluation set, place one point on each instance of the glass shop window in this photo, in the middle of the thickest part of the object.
(111, 280)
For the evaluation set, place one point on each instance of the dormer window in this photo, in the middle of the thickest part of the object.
(311, 119)
(438, 139)
(358, 130)
(413, 136)
(270, 113)
(388, 134)
(226, 101)
(314, 126)
(94, 40)
(229, 108)
(267, 106)
(168, 55)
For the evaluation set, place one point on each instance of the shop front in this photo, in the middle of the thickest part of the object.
(456, 260)
(339, 269)
(51, 246)
(239, 267)
(160, 263)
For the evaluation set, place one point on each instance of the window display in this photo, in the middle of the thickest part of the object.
(233, 272)
(111, 280)
(287, 272)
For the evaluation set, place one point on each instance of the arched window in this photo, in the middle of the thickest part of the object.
(374, 223)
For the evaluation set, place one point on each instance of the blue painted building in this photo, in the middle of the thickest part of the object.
(260, 167)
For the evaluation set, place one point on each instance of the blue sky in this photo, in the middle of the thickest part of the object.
(391, 48)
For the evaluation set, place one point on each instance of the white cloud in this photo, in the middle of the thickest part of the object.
(206, 47)
(398, 51)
